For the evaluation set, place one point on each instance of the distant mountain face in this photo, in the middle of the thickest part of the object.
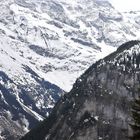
(23, 106)
(99, 105)
(44, 46)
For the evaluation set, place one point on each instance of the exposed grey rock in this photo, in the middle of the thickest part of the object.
(44, 46)
(99, 105)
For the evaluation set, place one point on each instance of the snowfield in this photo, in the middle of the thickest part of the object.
(45, 45)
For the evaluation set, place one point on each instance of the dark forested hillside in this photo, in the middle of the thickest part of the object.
(45, 45)
(99, 105)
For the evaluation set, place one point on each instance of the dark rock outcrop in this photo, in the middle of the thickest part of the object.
(99, 105)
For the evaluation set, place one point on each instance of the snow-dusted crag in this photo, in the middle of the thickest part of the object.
(99, 105)
(44, 46)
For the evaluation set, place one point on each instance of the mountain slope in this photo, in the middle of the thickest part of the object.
(44, 47)
(60, 37)
(22, 106)
(99, 105)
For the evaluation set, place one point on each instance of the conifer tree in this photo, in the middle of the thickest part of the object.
(136, 120)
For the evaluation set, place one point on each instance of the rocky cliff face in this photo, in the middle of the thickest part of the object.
(99, 105)
(22, 107)
(44, 46)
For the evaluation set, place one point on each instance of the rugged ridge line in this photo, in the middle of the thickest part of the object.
(99, 105)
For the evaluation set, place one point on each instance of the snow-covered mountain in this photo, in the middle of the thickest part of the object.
(44, 46)
(99, 107)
